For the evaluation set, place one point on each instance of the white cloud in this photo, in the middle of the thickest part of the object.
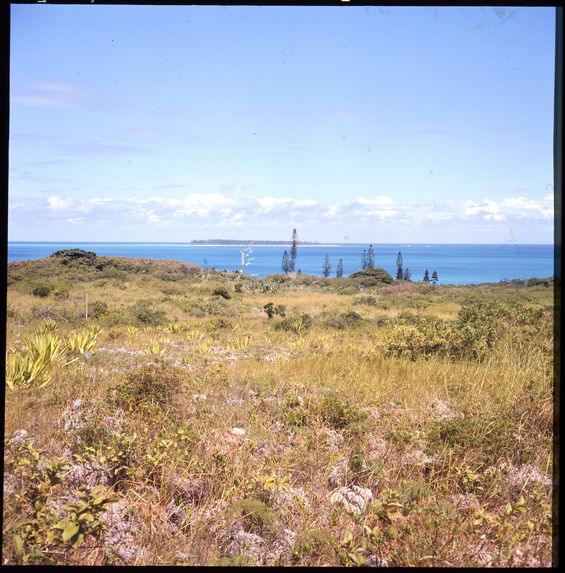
(56, 202)
(220, 211)
(489, 209)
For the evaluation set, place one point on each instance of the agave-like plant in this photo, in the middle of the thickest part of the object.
(154, 348)
(33, 364)
(46, 327)
(84, 340)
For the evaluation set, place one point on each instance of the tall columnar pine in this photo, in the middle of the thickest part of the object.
(434, 277)
(327, 267)
(293, 251)
(370, 258)
(399, 274)
(285, 262)
(364, 259)
(426, 277)
(407, 275)
(339, 271)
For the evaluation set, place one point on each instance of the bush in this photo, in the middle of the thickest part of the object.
(296, 324)
(420, 337)
(372, 277)
(221, 291)
(41, 291)
(344, 320)
(97, 309)
(148, 316)
(152, 384)
(69, 255)
(338, 411)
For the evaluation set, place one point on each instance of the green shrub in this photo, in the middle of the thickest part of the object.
(271, 309)
(296, 324)
(41, 291)
(67, 256)
(254, 514)
(148, 316)
(154, 384)
(338, 411)
(97, 309)
(413, 337)
(343, 320)
(492, 439)
(372, 277)
(221, 291)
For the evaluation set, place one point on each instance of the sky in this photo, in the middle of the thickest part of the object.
(349, 123)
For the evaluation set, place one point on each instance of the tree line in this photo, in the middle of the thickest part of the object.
(367, 262)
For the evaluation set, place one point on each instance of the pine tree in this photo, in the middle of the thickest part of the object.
(327, 267)
(434, 277)
(339, 271)
(370, 258)
(293, 250)
(426, 277)
(407, 275)
(399, 273)
(364, 259)
(285, 263)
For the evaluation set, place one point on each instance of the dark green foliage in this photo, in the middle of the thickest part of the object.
(338, 411)
(41, 291)
(370, 258)
(154, 384)
(343, 320)
(372, 277)
(271, 309)
(285, 262)
(293, 251)
(491, 438)
(69, 255)
(97, 309)
(295, 324)
(253, 514)
(544, 282)
(146, 315)
(221, 291)
(339, 271)
(326, 267)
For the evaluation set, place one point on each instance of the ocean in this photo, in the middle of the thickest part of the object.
(454, 264)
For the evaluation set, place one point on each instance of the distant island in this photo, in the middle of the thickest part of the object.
(246, 242)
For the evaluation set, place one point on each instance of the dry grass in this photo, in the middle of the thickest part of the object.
(224, 437)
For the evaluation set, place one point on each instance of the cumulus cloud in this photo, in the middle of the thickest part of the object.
(512, 208)
(221, 210)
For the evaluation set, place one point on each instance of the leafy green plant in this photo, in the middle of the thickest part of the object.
(151, 384)
(33, 364)
(84, 340)
(296, 324)
(254, 514)
(41, 291)
(84, 517)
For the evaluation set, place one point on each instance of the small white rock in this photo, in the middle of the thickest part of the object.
(238, 431)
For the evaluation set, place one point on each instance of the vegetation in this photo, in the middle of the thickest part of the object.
(299, 420)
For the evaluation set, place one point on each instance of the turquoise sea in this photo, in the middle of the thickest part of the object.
(455, 264)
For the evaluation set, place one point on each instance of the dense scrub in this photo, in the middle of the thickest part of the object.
(190, 417)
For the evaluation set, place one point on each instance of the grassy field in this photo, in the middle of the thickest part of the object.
(197, 418)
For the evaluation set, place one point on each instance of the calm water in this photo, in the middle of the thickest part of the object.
(455, 264)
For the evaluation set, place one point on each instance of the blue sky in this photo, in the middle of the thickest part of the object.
(350, 124)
